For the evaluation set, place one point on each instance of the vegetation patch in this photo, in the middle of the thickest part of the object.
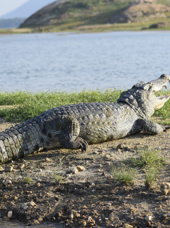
(21, 106)
(124, 175)
(148, 159)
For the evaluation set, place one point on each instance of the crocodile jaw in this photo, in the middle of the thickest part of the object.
(158, 85)
(160, 101)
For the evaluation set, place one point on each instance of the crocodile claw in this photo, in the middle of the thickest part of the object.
(83, 145)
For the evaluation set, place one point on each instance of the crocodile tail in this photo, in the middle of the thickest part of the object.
(20, 140)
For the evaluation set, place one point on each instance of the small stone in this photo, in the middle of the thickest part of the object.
(21, 166)
(76, 214)
(9, 214)
(107, 156)
(91, 221)
(74, 170)
(121, 146)
(47, 160)
(15, 197)
(1, 168)
(165, 188)
(84, 207)
(25, 207)
(83, 223)
(148, 218)
(31, 203)
(100, 151)
(40, 219)
(72, 215)
(127, 226)
(80, 168)
(35, 222)
(38, 184)
(8, 183)
(8, 168)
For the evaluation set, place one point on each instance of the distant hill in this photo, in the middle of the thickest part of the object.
(74, 13)
(10, 23)
(26, 9)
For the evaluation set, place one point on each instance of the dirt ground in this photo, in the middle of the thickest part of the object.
(76, 189)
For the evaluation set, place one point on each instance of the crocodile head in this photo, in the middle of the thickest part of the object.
(141, 97)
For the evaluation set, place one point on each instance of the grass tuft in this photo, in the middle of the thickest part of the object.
(151, 176)
(148, 159)
(124, 175)
(28, 180)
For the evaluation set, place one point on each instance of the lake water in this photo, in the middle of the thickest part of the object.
(70, 61)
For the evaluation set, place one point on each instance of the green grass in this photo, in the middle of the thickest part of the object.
(151, 176)
(27, 105)
(124, 175)
(148, 159)
(57, 178)
(28, 180)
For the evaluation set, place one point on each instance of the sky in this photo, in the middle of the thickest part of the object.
(9, 5)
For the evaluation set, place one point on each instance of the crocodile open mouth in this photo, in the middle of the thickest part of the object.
(158, 85)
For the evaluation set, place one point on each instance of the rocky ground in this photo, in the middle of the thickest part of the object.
(76, 189)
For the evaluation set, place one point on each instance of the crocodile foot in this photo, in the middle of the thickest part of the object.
(78, 143)
(165, 127)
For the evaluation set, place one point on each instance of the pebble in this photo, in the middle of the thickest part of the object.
(74, 170)
(8, 183)
(21, 166)
(9, 214)
(127, 226)
(165, 188)
(8, 168)
(31, 203)
(80, 168)
(38, 184)
(47, 160)
(148, 218)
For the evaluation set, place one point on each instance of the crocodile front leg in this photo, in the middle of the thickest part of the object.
(149, 127)
(69, 135)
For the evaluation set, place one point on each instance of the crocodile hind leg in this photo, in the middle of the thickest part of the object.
(69, 135)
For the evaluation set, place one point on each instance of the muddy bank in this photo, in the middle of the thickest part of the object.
(77, 189)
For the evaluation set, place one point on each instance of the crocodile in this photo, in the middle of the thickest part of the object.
(75, 126)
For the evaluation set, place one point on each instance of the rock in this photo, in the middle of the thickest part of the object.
(83, 223)
(107, 156)
(122, 146)
(9, 214)
(91, 221)
(47, 160)
(127, 226)
(72, 215)
(165, 188)
(80, 168)
(38, 184)
(21, 166)
(31, 203)
(24, 206)
(8, 168)
(74, 170)
(8, 183)
(148, 218)
(36, 222)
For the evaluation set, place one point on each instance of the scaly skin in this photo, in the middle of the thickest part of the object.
(74, 126)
